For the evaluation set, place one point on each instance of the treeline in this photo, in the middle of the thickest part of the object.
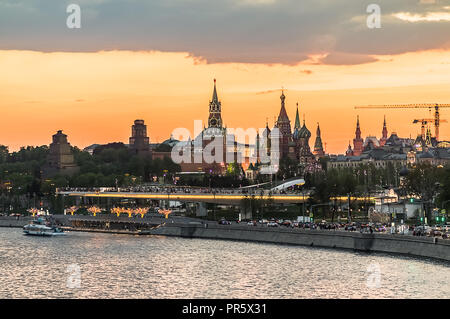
(21, 171)
(113, 166)
(429, 183)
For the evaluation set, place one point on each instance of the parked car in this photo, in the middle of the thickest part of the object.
(224, 222)
(272, 224)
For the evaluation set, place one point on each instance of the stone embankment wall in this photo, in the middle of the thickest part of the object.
(386, 243)
(14, 222)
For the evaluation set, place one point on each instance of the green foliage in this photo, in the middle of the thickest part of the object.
(423, 180)
(444, 196)
(20, 172)
(4, 154)
(288, 168)
(111, 165)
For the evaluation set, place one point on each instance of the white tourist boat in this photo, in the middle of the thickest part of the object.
(41, 227)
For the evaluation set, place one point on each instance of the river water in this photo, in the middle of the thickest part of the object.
(94, 265)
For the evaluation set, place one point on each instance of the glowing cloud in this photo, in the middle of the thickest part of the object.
(428, 17)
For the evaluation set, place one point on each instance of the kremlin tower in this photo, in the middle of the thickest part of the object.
(358, 142)
(384, 134)
(215, 109)
(318, 147)
(349, 151)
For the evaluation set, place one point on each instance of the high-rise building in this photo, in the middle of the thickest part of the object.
(139, 141)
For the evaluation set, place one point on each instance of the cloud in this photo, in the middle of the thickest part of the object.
(227, 31)
(339, 58)
(268, 91)
(428, 17)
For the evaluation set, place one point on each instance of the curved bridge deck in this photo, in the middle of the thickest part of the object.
(217, 198)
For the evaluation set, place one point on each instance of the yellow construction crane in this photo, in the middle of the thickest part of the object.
(429, 106)
(424, 122)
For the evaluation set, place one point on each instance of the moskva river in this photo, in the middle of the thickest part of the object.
(93, 265)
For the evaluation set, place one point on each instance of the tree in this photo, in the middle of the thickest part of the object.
(4, 153)
(444, 196)
(423, 181)
(288, 168)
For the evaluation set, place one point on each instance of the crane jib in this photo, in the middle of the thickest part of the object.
(436, 106)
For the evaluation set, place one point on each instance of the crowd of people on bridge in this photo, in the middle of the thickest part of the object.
(178, 190)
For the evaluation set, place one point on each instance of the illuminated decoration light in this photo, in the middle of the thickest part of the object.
(94, 210)
(141, 211)
(137, 211)
(165, 212)
(33, 211)
(72, 209)
(117, 210)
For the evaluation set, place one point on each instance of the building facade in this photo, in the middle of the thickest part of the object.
(60, 159)
(139, 141)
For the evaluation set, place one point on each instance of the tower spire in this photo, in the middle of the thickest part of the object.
(384, 133)
(357, 141)
(284, 125)
(297, 119)
(318, 147)
(215, 109)
(214, 97)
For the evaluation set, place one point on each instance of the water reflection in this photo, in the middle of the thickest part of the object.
(121, 266)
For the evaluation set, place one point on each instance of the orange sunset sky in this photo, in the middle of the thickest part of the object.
(95, 94)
